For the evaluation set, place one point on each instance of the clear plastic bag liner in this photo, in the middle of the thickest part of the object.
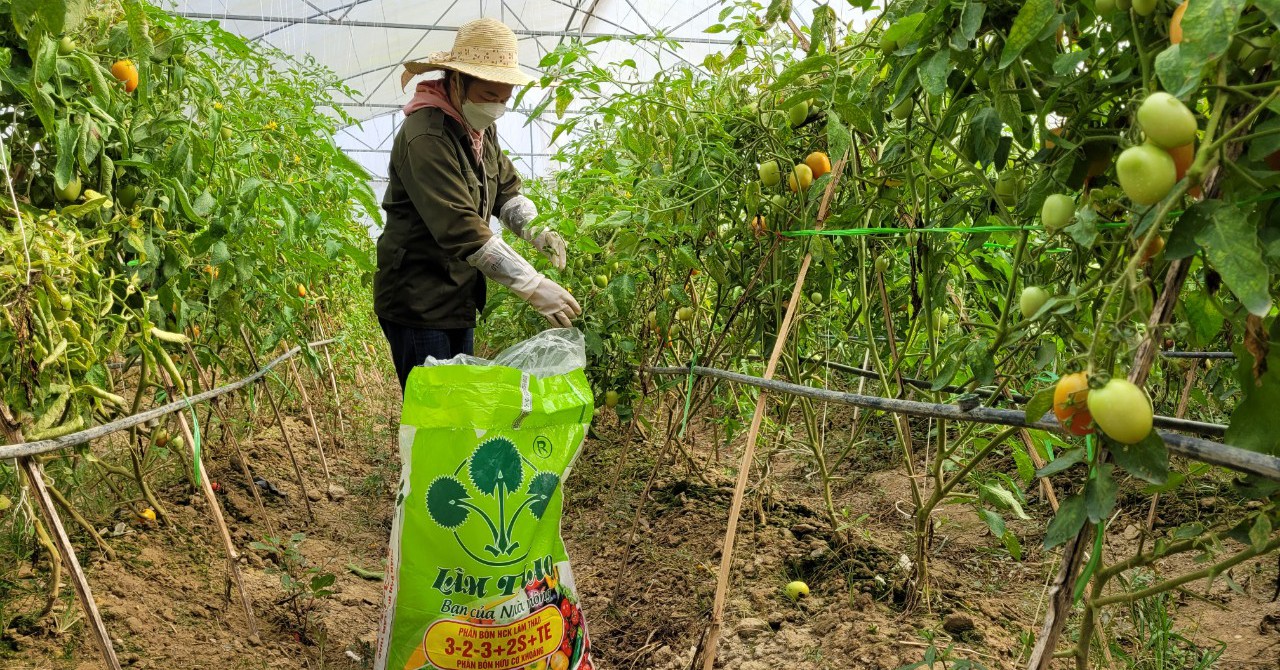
(552, 352)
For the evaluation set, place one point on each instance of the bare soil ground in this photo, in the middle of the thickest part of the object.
(168, 603)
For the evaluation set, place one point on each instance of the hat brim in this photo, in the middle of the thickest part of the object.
(500, 75)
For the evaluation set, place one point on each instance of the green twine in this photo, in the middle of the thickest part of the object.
(195, 436)
(688, 396)
(894, 232)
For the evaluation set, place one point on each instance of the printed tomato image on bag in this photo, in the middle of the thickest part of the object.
(478, 577)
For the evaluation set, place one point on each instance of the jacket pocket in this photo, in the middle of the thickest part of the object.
(397, 258)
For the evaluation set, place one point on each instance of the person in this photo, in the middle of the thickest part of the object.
(447, 178)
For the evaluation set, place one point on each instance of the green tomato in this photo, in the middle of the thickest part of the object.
(611, 399)
(1146, 173)
(71, 192)
(1009, 187)
(882, 263)
(1144, 7)
(888, 46)
(1121, 410)
(770, 174)
(1105, 7)
(1031, 300)
(684, 314)
(903, 110)
(1057, 212)
(816, 297)
(778, 203)
(913, 238)
(1166, 121)
(798, 113)
(797, 589)
(127, 195)
(226, 134)
(602, 281)
(66, 46)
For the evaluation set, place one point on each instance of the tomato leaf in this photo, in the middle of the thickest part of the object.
(1260, 532)
(903, 28)
(1067, 523)
(1032, 18)
(1039, 405)
(934, 71)
(1271, 8)
(64, 170)
(1064, 460)
(139, 36)
(1231, 244)
(1182, 239)
(1254, 421)
(1204, 318)
(970, 21)
(999, 495)
(994, 521)
(1084, 231)
(1147, 460)
(983, 136)
(1100, 494)
(1026, 469)
(1207, 27)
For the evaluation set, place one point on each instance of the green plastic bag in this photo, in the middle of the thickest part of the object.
(478, 577)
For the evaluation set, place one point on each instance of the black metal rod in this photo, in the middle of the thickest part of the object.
(1195, 448)
(1168, 422)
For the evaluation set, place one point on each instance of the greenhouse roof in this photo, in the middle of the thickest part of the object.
(365, 41)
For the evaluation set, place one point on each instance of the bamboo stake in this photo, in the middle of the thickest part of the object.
(311, 418)
(215, 509)
(230, 433)
(1183, 401)
(65, 504)
(1063, 585)
(711, 637)
(288, 443)
(333, 382)
(35, 479)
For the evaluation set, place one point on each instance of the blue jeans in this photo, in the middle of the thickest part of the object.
(411, 346)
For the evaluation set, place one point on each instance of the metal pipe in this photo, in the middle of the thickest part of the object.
(1195, 448)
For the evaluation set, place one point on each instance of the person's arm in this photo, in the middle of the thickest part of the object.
(433, 176)
(516, 211)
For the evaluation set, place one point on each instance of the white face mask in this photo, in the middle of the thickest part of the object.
(481, 115)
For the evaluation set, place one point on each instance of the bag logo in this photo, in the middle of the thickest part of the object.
(496, 473)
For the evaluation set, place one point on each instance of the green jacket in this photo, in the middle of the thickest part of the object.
(438, 204)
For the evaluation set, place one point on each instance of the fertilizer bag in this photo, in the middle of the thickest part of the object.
(477, 576)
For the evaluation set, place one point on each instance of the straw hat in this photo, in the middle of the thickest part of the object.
(485, 49)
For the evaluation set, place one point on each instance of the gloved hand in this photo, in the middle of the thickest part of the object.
(554, 302)
(516, 216)
(499, 262)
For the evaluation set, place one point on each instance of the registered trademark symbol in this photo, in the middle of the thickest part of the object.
(542, 446)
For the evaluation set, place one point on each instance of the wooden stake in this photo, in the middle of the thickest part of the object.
(215, 508)
(333, 382)
(288, 443)
(311, 418)
(706, 653)
(35, 479)
(1063, 587)
(229, 431)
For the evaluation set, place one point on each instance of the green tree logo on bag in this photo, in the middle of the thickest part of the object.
(496, 472)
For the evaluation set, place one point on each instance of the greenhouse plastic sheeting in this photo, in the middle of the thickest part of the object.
(478, 576)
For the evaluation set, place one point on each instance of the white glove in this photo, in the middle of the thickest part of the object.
(499, 262)
(516, 215)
